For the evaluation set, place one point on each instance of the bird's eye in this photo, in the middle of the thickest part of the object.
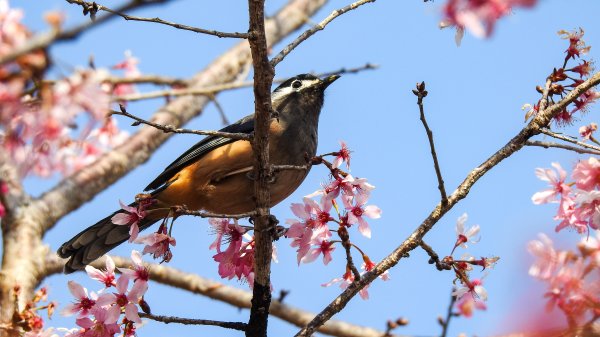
(296, 84)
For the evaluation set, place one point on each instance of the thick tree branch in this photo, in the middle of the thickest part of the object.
(264, 223)
(44, 40)
(236, 297)
(541, 120)
(310, 32)
(98, 7)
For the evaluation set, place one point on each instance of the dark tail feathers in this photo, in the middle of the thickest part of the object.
(95, 241)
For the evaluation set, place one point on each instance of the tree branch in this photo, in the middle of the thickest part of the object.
(193, 321)
(236, 297)
(98, 7)
(263, 221)
(569, 139)
(421, 93)
(541, 120)
(548, 145)
(172, 129)
(310, 32)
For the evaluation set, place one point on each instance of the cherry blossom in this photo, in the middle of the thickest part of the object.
(474, 288)
(558, 187)
(131, 217)
(586, 131)
(479, 17)
(465, 235)
(104, 324)
(343, 155)
(466, 305)
(345, 281)
(107, 276)
(138, 272)
(587, 174)
(357, 211)
(84, 303)
(320, 239)
(158, 244)
(231, 232)
(548, 259)
(128, 300)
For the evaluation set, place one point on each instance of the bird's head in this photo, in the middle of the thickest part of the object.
(304, 92)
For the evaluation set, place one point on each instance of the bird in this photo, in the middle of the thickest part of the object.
(215, 174)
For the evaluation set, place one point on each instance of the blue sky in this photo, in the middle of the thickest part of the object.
(473, 107)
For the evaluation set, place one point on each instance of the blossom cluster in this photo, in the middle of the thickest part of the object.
(578, 200)
(564, 79)
(571, 276)
(237, 260)
(342, 204)
(41, 123)
(478, 16)
(29, 318)
(106, 313)
(471, 294)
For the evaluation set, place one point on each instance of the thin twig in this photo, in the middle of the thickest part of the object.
(43, 40)
(211, 90)
(172, 129)
(434, 258)
(310, 32)
(224, 119)
(569, 139)
(449, 315)
(547, 145)
(194, 321)
(98, 7)
(421, 93)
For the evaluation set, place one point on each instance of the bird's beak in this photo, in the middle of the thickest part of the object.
(328, 80)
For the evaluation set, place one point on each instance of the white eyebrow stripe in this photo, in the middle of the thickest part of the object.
(282, 92)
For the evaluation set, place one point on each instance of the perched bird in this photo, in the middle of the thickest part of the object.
(213, 175)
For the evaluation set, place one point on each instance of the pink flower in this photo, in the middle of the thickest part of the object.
(358, 211)
(548, 259)
(107, 276)
(586, 131)
(158, 244)
(237, 263)
(466, 305)
(345, 281)
(131, 217)
(343, 155)
(474, 288)
(231, 232)
(368, 265)
(129, 65)
(320, 238)
(128, 300)
(577, 46)
(480, 16)
(84, 303)
(138, 272)
(105, 324)
(558, 188)
(587, 174)
(465, 235)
